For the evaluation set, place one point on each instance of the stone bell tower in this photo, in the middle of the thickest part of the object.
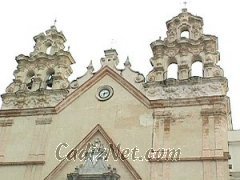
(191, 112)
(185, 51)
(41, 79)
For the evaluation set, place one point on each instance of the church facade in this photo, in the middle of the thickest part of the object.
(115, 123)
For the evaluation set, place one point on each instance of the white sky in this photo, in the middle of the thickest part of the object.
(90, 26)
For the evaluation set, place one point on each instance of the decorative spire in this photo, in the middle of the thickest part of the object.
(127, 63)
(90, 67)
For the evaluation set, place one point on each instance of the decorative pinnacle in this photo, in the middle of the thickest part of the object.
(90, 67)
(127, 63)
(55, 21)
(184, 9)
(185, 4)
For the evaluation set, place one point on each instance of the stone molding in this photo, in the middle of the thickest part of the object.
(43, 121)
(149, 104)
(6, 122)
(21, 163)
(214, 111)
(220, 158)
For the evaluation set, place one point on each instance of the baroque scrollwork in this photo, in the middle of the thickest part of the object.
(24, 100)
(183, 50)
(185, 91)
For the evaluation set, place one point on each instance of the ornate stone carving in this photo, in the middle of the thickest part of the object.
(216, 110)
(184, 50)
(111, 58)
(187, 90)
(184, 22)
(24, 100)
(134, 77)
(172, 34)
(41, 79)
(53, 40)
(80, 80)
(213, 71)
(95, 166)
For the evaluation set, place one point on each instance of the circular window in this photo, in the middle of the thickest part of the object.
(104, 93)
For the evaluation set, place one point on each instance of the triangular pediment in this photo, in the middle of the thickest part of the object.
(101, 132)
(105, 71)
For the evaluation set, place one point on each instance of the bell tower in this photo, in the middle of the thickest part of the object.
(190, 112)
(41, 79)
(185, 50)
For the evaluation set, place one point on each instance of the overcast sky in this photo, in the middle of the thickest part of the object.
(90, 26)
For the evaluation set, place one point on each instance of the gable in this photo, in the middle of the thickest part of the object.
(125, 169)
(121, 111)
(98, 80)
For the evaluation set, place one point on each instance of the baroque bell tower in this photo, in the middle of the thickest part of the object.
(191, 112)
(185, 51)
(41, 79)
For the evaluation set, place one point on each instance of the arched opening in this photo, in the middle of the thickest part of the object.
(30, 80)
(172, 71)
(197, 69)
(185, 34)
(49, 49)
(49, 81)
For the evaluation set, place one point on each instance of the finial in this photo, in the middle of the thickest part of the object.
(127, 62)
(185, 4)
(184, 9)
(53, 27)
(55, 21)
(90, 67)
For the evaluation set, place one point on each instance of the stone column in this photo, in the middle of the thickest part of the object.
(160, 170)
(39, 141)
(38, 147)
(5, 128)
(183, 72)
(214, 130)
